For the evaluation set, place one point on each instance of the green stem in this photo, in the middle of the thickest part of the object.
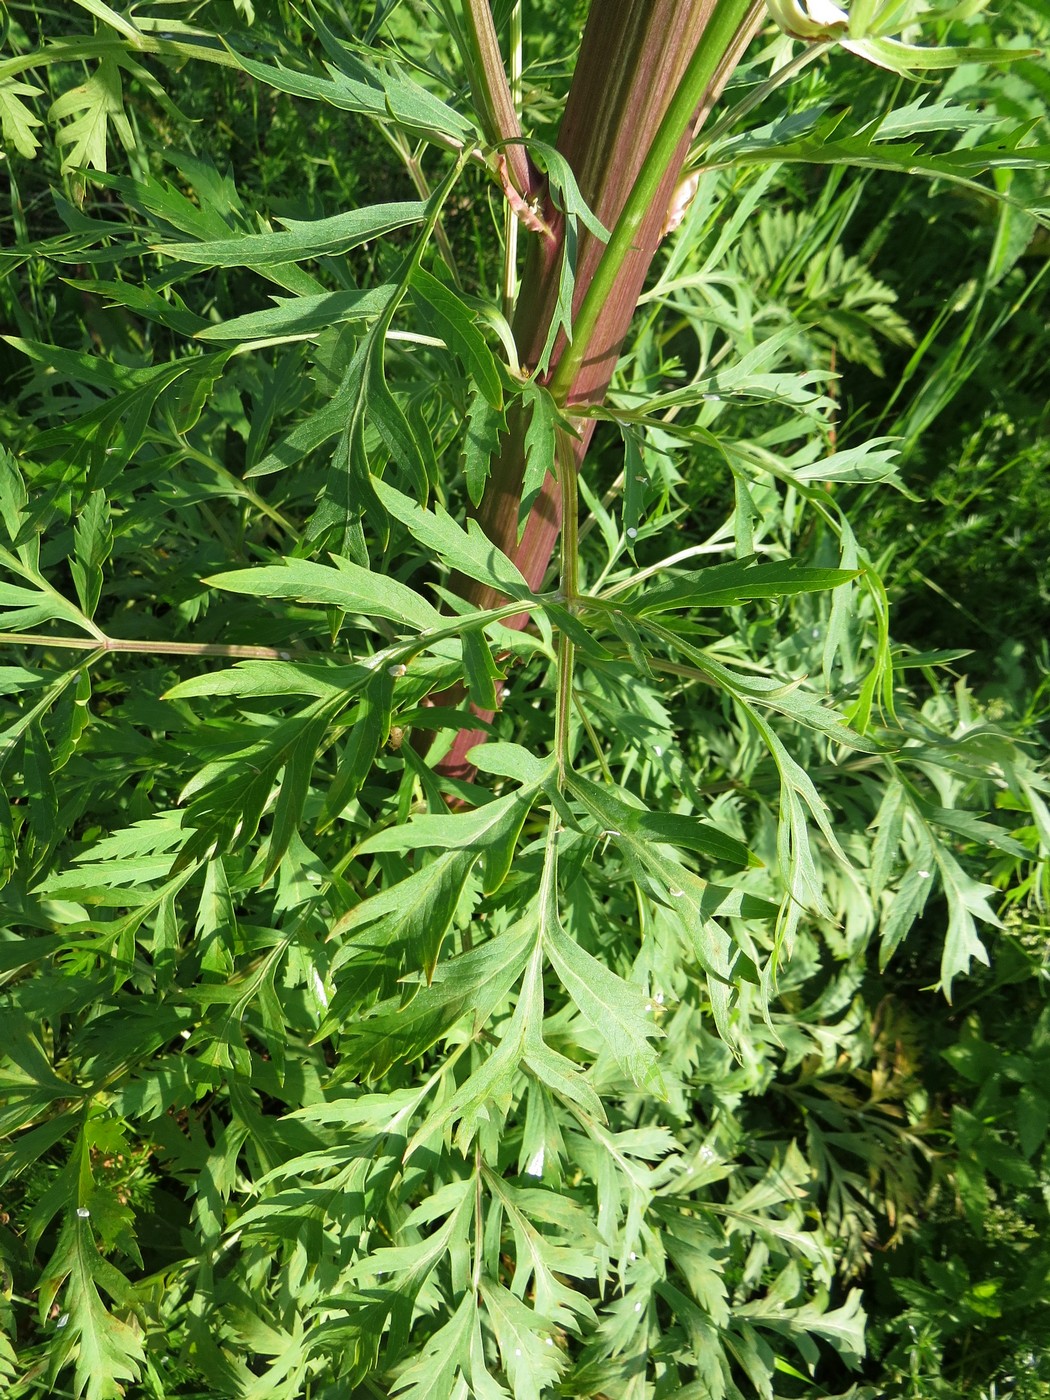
(719, 33)
(430, 223)
(570, 518)
(596, 747)
(399, 652)
(102, 644)
(562, 731)
(475, 1282)
(548, 893)
(566, 464)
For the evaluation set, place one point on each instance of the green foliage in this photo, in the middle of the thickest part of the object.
(620, 1069)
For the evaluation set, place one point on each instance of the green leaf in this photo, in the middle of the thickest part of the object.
(92, 106)
(480, 671)
(456, 327)
(348, 586)
(469, 551)
(1033, 1119)
(967, 902)
(370, 731)
(302, 239)
(386, 96)
(635, 822)
(491, 829)
(470, 986)
(8, 858)
(107, 1350)
(296, 781)
(842, 1327)
(907, 903)
(540, 439)
(302, 316)
(754, 1356)
(93, 543)
(970, 825)
(349, 493)
(410, 451)
(636, 480)
(432, 1375)
(545, 1258)
(108, 435)
(273, 678)
(481, 442)
(727, 585)
(512, 761)
(43, 833)
(870, 461)
(561, 1077)
(659, 872)
(227, 798)
(867, 148)
(530, 1360)
(487, 1095)
(566, 190)
(613, 1007)
(109, 16)
(29, 607)
(411, 918)
(16, 119)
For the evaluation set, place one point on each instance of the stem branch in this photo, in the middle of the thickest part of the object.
(103, 644)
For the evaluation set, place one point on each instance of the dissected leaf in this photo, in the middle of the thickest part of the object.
(612, 1006)
(107, 1350)
(467, 550)
(17, 119)
(87, 112)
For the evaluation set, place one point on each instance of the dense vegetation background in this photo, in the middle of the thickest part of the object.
(223, 1175)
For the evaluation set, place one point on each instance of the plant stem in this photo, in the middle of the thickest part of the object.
(103, 644)
(565, 460)
(562, 732)
(479, 1253)
(566, 464)
(729, 60)
(510, 218)
(633, 54)
(718, 35)
(492, 92)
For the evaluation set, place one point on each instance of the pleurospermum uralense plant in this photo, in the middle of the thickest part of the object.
(397, 924)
